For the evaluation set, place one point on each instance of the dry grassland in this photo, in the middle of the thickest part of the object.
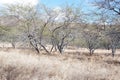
(25, 65)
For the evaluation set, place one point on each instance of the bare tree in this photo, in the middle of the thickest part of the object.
(91, 40)
(112, 5)
(62, 34)
(32, 24)
(61, 37)
(114, 39)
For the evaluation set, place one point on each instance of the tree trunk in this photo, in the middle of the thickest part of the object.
(113, 52)
(13, 45)
(91, 52)
(60, 49)
(51, 49)
(113, 48)
(35, 47)
(44, 48)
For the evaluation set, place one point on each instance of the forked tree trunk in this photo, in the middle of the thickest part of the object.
(53, 47)
(44, 48)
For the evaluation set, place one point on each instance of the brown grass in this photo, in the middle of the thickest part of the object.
(25, 65)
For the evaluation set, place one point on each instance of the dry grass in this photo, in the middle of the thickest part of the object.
(24, 65)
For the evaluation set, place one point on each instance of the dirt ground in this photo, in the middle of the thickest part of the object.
(21, 64)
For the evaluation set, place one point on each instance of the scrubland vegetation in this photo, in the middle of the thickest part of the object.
(66, 43)
(25, 65)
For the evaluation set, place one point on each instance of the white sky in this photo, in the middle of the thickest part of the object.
(31, 2)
